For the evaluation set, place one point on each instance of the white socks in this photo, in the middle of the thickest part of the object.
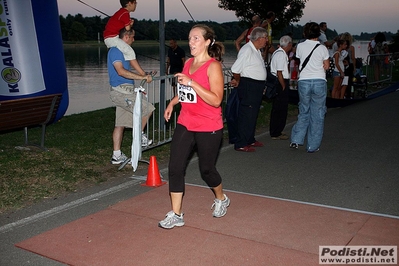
(117, 153)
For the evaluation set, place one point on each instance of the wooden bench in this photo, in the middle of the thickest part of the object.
(29, 112)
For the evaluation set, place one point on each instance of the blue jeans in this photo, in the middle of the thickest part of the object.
(312, 110)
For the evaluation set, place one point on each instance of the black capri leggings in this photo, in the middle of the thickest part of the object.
(183, 142)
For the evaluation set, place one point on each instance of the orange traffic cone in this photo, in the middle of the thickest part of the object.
(153, 176)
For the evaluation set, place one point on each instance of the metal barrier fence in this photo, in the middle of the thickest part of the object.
(159, 93)
(379, 68)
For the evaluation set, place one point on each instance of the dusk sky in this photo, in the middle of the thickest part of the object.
(354, 16)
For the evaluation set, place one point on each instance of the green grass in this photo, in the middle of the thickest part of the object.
(79, 150)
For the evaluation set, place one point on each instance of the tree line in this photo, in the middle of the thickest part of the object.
(80, 29)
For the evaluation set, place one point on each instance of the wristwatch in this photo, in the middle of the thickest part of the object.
(189, 83)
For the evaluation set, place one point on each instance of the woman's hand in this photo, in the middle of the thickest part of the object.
(168, 112)
(183, 79)
(169, 109)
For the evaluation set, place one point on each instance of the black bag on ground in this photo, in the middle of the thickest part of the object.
(231, 115)
(271, 84)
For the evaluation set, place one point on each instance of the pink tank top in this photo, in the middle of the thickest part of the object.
(200, 116)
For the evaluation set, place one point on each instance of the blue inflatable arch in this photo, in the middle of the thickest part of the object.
(32, 59)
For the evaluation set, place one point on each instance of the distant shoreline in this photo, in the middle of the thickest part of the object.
(149, 43)
(137, 42)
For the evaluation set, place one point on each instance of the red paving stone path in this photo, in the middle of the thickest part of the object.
(256, 231)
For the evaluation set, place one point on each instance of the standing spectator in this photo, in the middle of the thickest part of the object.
(256, 20)
(323, 37)
(249, 74)
(312, 90)
(175, 61)
(122, 88)
(386, 62)
(370, 45)
(339, 88)
(200, 122)
(279, 68)
(378, 55)
(267, 24)
(350, 70)
(331, 47)
(121, 19)
(294, 64)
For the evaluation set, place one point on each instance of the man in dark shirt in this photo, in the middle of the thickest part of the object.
(175, 61)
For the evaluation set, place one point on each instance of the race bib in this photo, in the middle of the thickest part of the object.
(186, 94)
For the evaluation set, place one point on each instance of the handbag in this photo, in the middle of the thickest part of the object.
(231, 115)
(330, 70)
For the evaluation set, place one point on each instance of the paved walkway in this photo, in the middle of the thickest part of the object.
(285, 203)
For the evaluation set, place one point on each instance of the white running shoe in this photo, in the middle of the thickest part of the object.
(171, 220)
(220, 207)
(145, 141)
(118, 160)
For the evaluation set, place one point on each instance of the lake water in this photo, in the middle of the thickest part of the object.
(88, 84)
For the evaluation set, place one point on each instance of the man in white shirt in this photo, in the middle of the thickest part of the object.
(323, 38)
(279, 68)
(249, 77)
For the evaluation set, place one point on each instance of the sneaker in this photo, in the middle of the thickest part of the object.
(313, 151)
(171, 220)
(220, 206)
(294, 145)
(118, 160)
(145, 141)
